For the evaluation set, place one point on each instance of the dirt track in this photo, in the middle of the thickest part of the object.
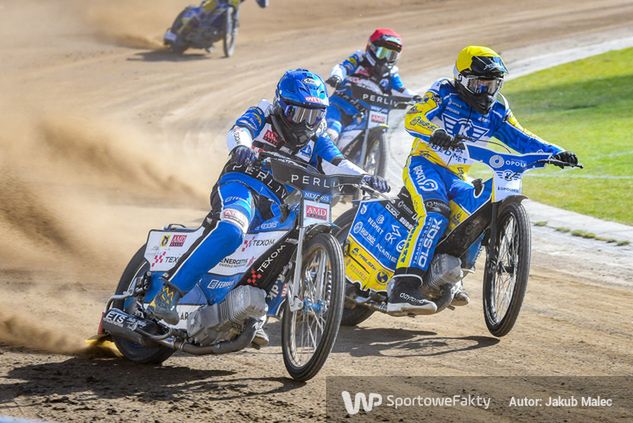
(103, 137)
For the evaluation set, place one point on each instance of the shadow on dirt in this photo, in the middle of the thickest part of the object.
(164, 55)
(391, 342)
(116, 378)
(394, 342)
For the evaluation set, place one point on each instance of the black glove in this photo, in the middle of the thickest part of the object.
(441, 139)
(333, 81)
(566, 157)
(243, 155)
(417, 98)
(378, 183)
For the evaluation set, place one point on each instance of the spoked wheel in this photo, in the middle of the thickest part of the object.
(132, 351)
(313, 314)
(230, 32)
(507, 270)
(376, 156)
(358, 314)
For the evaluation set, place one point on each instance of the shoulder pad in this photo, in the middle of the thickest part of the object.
(265, 106)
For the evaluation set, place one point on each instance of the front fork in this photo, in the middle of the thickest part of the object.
(491, 259)
(294, 302)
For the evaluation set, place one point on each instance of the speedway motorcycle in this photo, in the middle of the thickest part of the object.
(373, 235)
(204, 29)
(363, 140)
(289, 267)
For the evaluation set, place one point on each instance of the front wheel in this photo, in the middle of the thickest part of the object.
(312, 314)
(376, 155)
(507, 270)
(230, 32)
(132, 351)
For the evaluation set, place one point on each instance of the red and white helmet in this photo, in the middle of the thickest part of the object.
(383, 49)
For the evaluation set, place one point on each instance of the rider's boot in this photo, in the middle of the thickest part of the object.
(405, 297)
(261, 339)
(163, 306)
(461, 297)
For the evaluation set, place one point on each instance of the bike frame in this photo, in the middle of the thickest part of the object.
(374, 109)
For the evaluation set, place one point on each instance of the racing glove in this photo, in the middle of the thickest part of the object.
(243, 155)
(566, 157)
(378, 183)
(417, 98)
(440, 138)
(333, 81)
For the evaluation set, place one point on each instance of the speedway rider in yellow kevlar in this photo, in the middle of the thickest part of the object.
(467, 107)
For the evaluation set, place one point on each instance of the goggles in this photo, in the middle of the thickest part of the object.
(303, 115)
(479, 85)
(386, 54)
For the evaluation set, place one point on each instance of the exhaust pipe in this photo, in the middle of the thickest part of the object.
(242, 341)
(120, 324)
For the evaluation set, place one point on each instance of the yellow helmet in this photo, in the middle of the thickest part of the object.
(479, 73)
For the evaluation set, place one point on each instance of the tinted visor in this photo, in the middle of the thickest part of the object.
(386, 54)
(303, 115)
(478, 85)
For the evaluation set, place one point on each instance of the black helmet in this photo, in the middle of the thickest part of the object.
(479, 74)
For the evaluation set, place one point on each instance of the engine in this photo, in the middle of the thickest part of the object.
(444, 270)
(224, 321)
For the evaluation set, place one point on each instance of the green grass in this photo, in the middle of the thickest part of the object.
(586, 107)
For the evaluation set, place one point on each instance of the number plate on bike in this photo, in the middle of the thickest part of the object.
(315, 213)
(377, 119)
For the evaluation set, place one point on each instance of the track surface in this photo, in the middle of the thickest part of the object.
(104, 136)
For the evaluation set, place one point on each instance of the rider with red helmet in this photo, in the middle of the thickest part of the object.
(376, 64)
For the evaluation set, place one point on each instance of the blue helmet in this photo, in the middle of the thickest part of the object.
(300, 103)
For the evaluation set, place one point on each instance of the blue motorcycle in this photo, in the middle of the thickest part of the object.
(373, 235)
(195, 28)
(363, 140)
(289, 267)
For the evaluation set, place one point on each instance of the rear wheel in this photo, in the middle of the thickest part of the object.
(132, 351)
(230, 32)
(352, 316)
(312, 315)
(507, 270)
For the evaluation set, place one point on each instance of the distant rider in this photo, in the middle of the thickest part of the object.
(293, 125)
(468, 106)
(207, 8)
(377, 63)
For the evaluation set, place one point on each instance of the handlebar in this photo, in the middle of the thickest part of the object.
(561, 164)
(289, 163)
(462, 141)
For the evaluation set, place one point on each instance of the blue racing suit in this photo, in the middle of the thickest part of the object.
(436, 178)
(341, 111)
(245, 196)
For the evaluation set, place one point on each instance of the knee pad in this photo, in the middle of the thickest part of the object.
(235, 218)
(437, 206)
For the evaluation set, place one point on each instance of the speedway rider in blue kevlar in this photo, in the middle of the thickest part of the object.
(377, 63)
(245, 195)
(467, 107)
